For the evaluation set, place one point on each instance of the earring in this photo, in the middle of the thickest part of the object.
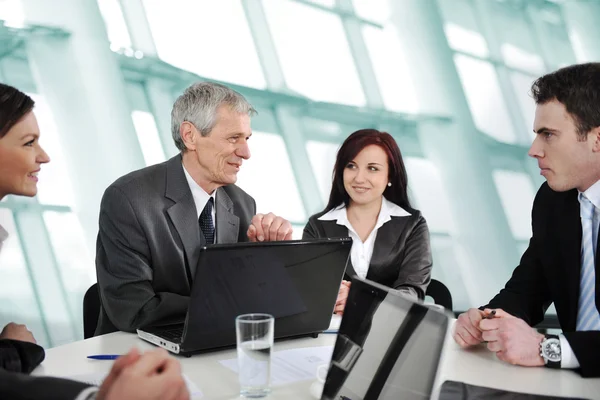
(389, 183)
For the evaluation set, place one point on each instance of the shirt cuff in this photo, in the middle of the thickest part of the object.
(88, 394)
(568, 358)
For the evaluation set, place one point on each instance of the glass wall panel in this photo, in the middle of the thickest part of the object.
(17, 298)
(466, 40)
(322, 159)
(485, 99)
(516, 194)
(75, 263)
(316, 62)
(268, 177)
(372, 10)
(116, 28)
(147, 133)
(391, 69)
(427, 193)
(54, 186)
(521, 84)
(209, 38)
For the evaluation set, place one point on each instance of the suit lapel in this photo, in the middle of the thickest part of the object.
(333, 230)
(387, 237)
(570, 222)
(183, 213)
(227, 223)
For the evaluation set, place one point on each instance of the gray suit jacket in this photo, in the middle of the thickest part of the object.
(401, 257)
(149, 242)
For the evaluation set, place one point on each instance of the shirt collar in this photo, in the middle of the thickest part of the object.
(593, 194)
(388, 210)
(199, 195)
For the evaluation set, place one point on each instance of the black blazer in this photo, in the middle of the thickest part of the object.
(149, 242)
(19, 386)
(402, 254)
(550, 270)
(17, 359)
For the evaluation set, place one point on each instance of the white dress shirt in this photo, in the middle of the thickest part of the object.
(201, 198)
(569, 360)
(361, 252)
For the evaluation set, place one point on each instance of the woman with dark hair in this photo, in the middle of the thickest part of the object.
(369, 203)
(153, 375)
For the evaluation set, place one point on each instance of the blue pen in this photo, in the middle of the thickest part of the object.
(104, 357)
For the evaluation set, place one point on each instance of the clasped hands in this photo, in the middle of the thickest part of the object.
(511, 338)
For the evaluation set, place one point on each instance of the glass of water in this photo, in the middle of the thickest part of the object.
(254, 343)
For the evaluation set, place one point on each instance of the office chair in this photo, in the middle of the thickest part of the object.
(440, 294)
(91, 311)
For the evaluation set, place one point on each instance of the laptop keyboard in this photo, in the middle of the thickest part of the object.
(171, 334)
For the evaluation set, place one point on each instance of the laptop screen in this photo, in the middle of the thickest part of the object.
(388, 347)
(295, 281)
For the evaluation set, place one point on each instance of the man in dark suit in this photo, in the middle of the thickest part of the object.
(560, 265)
(154, 221)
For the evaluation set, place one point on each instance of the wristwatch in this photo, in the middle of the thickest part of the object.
(550, 351)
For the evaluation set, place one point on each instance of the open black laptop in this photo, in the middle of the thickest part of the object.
(388, 346)
(295, 281)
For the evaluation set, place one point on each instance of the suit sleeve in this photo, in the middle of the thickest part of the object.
(583, 344)
(18, 356)
(526, 294)
(125, 271)
(18, 386)
(415, 269)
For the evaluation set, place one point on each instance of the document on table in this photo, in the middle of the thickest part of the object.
(98, 378)
(288, 366)
(334, 325)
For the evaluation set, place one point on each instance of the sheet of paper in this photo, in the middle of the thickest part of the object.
(98, 378)
(288, 366)
(334, 325)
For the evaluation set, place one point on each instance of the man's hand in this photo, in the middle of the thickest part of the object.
(269, 228)
(466, 329)
(153, 375)
(17, 332)
(512, 339)
(121, 363)
(340, 302)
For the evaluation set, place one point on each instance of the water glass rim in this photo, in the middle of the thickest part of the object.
(254, 318)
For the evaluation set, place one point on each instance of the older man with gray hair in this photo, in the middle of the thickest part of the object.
(154, 221)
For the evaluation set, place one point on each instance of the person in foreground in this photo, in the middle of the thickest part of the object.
(369, 203)
(560, 265)
(154, 221)
(153, 375)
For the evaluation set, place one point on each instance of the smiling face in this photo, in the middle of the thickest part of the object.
(564, 159)
(215, 160)
(366, 176)
(21, 157)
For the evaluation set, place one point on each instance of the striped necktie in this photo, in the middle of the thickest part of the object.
(588, 318)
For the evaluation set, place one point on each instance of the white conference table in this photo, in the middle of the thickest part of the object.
(477, 366)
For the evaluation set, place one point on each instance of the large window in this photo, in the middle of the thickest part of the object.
(338, 66)
(209, 38)
(316, 63)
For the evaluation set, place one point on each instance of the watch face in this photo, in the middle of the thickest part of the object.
(551, 349)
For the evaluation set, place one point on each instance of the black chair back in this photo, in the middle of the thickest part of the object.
(91, 311)
(440, 294)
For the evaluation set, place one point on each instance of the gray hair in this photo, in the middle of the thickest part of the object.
(199, 103)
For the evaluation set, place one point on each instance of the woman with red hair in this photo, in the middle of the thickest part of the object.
(369, 203)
